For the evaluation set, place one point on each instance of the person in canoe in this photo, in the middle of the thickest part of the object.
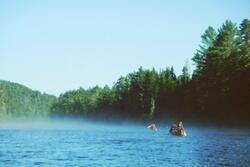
(178, 130)
(174, 129)
(152, 127)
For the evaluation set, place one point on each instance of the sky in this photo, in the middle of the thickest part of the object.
(57, 45)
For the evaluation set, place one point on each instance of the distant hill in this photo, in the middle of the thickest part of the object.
(17, 100)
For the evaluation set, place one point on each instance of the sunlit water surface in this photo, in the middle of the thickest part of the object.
(116, 145)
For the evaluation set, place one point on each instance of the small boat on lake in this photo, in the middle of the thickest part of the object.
(152, 127)
(178, 130)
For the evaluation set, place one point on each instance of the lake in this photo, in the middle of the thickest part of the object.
(121, 145)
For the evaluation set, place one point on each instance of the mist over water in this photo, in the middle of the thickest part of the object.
(67, 124)
(40, 124)
(71, 142)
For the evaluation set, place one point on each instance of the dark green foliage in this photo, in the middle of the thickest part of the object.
(144, 94)
(207, 40)
(19, 101)
(137, 93)
(78, 102)
(222, 84)
(218, 91)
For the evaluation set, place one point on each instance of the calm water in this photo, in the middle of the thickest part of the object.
(123, 146)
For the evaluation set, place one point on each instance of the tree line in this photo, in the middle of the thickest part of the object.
(217, 91)
(19, 101)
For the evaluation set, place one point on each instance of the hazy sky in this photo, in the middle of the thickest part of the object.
(56, 45)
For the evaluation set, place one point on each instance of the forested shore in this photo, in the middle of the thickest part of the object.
(218, 91)
(18, 101)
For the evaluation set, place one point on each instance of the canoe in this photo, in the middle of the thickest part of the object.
(152, 127)
(184, 134)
